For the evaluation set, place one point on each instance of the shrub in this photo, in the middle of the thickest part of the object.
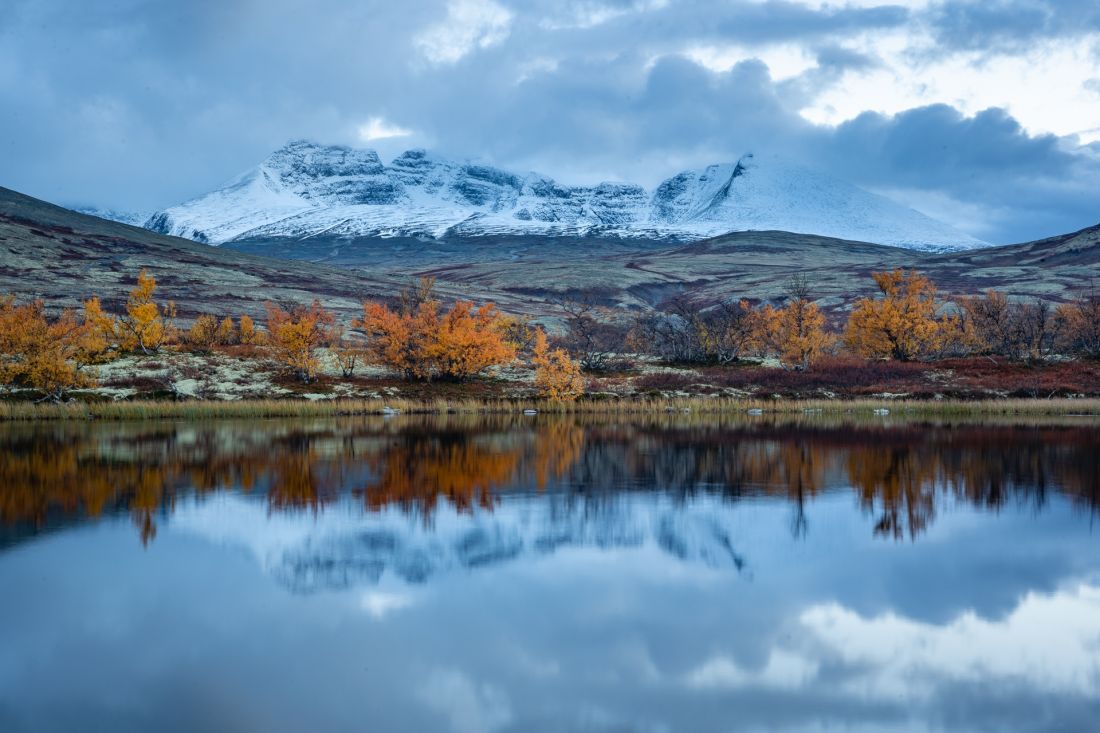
(246, 332)
(297, 333)
(203, 334)
(226, 333)
(345, 352)
(1079, 326)
(48, 354)
(425, 342)
(902, 324)
(146, 325)
(557, 376)
(796, 332)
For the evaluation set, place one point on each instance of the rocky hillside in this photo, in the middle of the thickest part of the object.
(50, 252)
(63, 256)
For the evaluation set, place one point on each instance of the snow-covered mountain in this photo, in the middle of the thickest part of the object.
(307, 190)
(132, 218)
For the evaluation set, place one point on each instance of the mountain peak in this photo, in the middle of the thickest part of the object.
(305, 188)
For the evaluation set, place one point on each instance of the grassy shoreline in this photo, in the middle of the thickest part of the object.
(257, 409)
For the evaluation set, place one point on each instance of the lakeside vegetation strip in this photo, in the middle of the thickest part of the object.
(152, 410)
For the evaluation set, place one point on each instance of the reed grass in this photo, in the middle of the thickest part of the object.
(258, 409)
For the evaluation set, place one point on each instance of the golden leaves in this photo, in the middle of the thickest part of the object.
(48, 354)
(146, 326)
(295, 336)
(425, 342)
(796, 332)
(557, 377)
(903, 324)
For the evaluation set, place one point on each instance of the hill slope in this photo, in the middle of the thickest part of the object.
(304, 191)
(50, 252)
(63, 256)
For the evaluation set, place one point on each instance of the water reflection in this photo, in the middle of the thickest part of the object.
(518, 574)
(899, 474)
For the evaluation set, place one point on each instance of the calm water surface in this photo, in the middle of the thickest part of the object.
(536, 574)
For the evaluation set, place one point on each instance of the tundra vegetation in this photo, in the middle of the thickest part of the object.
(419, 338)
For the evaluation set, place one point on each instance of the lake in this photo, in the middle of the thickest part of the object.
(519, 573)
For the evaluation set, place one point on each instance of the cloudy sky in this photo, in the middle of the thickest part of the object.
(984, 113)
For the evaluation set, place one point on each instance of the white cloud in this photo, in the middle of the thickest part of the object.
(784, 60)
(1050, 642)
(784, 670)
(588, 14)
(470, 707)
(377, 128)
(380, 604)
(1041, 87)
(469, 24)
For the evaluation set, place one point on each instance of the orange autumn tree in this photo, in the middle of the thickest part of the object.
(392, 338)
(246, 331)
(296, 333)
(146, 325)
(203, 334)
(48, 354)
(903, 324)
(557, 377)
(796, 332)
(423, 341)
(101, 330)
(467, 341)
(227, 333)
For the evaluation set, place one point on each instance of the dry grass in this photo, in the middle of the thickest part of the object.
(256, 409)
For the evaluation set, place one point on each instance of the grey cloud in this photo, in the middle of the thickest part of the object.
(844, 59)
(137, 104)
(1032, 185)
(652, 29)
(1000, 25)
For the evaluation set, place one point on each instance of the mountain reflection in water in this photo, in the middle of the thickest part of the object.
(506, 574)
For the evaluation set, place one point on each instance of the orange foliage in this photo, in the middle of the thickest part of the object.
(468, 341)
(226, 333)
(102, 330)
(207, 332)
(203, 334)
(146, 325)
(297, 334)
(796, 332)
(557, 377)
(903, 324)
(424, 342)
(246, 332)
(48, 354)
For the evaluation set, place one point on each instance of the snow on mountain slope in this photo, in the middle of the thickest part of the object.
(123, 217)
(304, 190)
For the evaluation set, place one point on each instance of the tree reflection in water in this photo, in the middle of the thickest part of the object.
(52, 474)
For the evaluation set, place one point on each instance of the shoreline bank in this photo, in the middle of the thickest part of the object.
(271, 408)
